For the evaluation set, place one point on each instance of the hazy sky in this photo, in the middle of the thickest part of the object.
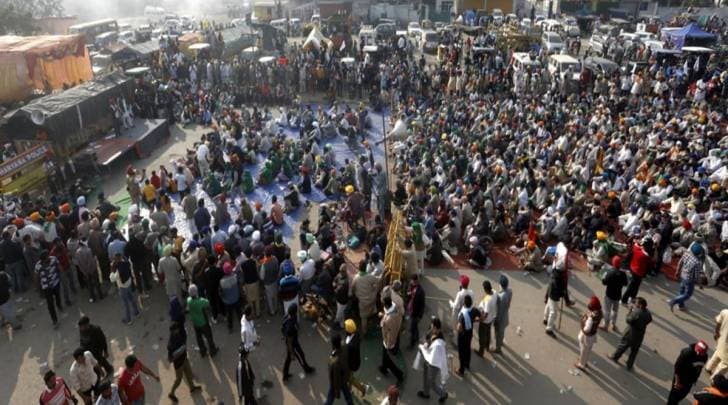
(90, 10)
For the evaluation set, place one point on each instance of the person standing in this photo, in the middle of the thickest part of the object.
(169, 269)
(638, 318)
(93, 339)
(718, 363)
(293, 347)
(338, 373)
(639, 265)
(588, 332)
(390, 324)
(269, 270)
(415, 309)
(457, 304)
(86, 262)
(353, 355)
(11, 252)
(199, 310)
(614, 280)
(56, 391)
(467, 316)
(687, 371)
(501, 319)
(229, 293)
(108, 394)
(289, 286)
(85, 373)
(131, 386)
(177, 355)
(248, 334)
(690, 268)
(365, 288)
(556, 292)
(341, 294)
(251, 283)
(122, 276)
(434, 352)
(245, 378)
(50, 283)
(7, 311)
(488, 309)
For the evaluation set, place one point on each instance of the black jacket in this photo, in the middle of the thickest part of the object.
(557, 288)
(615, 280)
(353, 352)
(689, 364)
(418, 303)
(94, 340)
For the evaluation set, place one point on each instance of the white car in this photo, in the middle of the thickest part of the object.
(126, 37)
(414, 29)
(526, 24)
(645, 36)
(552, 42)
(497, 16)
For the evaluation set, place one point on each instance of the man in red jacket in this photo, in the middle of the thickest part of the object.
(639, 264)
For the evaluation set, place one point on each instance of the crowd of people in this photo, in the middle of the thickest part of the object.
(628, 170)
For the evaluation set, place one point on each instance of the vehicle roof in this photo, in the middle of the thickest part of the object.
(525, 58)
(92, 23)
(697, 49)
(564, 58)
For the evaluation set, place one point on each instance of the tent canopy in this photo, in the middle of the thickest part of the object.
(690, 34)
(41, 63)
(315, 39)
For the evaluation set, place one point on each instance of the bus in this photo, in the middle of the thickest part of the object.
(91, 29)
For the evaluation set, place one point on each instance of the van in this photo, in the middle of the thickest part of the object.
(281, 24)
(524, 60)
(106, 38)
(560, 65)
(296, 25)
(367, 36)
(429, 40)
(497, 16)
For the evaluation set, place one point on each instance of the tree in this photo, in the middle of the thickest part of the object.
(16, 16)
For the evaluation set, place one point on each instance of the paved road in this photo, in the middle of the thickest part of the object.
(534, 368)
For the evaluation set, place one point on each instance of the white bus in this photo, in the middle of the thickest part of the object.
(91, 29)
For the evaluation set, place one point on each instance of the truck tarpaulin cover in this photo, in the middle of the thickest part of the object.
(64, 115)
(35, 63)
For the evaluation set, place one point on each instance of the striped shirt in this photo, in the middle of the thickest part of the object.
(48, 273)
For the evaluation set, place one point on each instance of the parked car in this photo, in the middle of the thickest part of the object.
(497, 16)
(561, 65)
(385, 31)
(413, 29)
(600, 66)
(552, 42)
(428, 41)
(126, 37)
(526, 24)
(597, 43)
